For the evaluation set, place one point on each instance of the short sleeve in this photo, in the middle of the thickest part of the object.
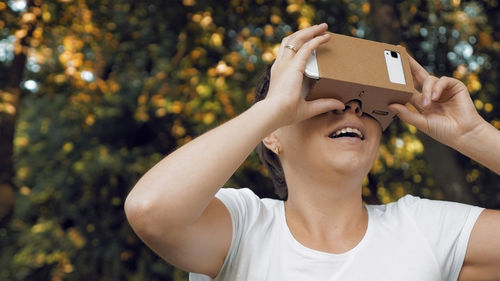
(243, 206)
(446, 226)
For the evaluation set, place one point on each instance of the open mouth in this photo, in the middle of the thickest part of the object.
(347, 132)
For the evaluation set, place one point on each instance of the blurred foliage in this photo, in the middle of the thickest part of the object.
(112, 86)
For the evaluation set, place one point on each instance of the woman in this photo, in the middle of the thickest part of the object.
(322, 231)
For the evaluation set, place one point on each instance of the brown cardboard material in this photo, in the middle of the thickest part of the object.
(355, 69)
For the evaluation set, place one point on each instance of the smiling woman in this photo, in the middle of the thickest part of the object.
(318, 153)
(340, 126)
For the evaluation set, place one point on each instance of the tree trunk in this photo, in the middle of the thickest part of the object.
(10, 97)
(443, 161)
(385, 22)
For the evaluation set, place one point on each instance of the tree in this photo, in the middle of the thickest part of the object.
(109, 87)
(9, 99)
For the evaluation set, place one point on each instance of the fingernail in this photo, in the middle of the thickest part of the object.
(434, 96)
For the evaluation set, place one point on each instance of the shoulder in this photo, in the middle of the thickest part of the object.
(252, 220)
(426, 210)
(403, 203)
(411, 201)
(243, 196)
(427, 213)
(433, 208)
(244, 203)
(415, 204)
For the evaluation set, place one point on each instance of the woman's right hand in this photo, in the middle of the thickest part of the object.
(287, 74)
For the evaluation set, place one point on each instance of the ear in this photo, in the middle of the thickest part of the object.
(272, 141)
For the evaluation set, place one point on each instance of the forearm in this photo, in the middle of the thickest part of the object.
(179, 188)
(483, 146)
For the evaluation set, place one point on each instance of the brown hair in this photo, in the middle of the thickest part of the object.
(267, 157)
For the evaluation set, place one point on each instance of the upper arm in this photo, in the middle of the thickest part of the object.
(482, 260)
(200, 247)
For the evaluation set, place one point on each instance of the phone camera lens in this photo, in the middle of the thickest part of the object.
(394, 54)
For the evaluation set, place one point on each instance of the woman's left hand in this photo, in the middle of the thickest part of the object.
(445, 110)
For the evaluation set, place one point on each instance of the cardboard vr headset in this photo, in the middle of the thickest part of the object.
(347, 68)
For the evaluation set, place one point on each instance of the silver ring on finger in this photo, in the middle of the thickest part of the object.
(291, 47)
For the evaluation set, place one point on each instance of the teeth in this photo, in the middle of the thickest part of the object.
(348, 130)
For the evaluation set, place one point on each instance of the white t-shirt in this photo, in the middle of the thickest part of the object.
(412, 239)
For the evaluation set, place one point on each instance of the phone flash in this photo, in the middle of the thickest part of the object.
(394, 67)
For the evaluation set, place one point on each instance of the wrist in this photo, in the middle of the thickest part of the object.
(473, 136)
(270, 110)
(482, 144)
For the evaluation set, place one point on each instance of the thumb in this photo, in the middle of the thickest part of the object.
(318, 106)
(409, 116)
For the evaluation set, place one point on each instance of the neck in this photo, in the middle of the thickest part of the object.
(328, 214)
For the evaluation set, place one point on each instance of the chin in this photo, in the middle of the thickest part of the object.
(351, 165)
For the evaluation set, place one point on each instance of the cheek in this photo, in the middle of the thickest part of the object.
(299, 149)
(296, 147)
(375, 132)
(374, 148)
(295, 138)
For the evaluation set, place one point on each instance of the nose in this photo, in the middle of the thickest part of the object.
(352, 106)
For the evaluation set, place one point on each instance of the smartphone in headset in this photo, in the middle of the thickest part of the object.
(347, 68)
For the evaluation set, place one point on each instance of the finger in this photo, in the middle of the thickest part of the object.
(306, 50)
(444, 83)
(411, 117)
(318, 106)
(418, 72)
(416, 100)
(298, 38)
(427, 89)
